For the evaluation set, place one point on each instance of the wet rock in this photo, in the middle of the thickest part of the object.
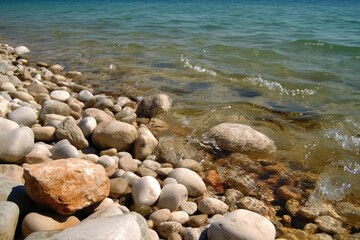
(172, 196)
(154, 105)
(69, 130)
(254, 205)
(9, 214)
(144, 144)
(117, 225)
(74, 184)
(46, 221)
(166, 228)
(234, 137)
(292, 206)
(288, 192)
(212, 206)
(114, 134)
(242, 224)
(190, 179)
(87, 125)
(146, 191)
(330, 225)
(160, 216)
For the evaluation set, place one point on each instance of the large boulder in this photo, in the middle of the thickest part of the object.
(241, 224)
(19, 141)
(73, 185)
(154, 105)
(114, 134)
(235, 137)
(118, 227)
(69, 130)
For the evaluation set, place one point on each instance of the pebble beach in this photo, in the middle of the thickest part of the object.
(80, 164)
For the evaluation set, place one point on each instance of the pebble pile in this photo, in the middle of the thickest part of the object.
(79, 165)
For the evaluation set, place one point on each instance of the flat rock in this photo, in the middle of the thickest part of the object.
(9, 214)
(69, 130)
(73, 185)
(144, 144)
(154, 105)
(190, 179)
(172, 196)
(242, 224)
(46, 221)
(212, 206)
(146, 191)
(23, 116)
(235, 137)
(114, 227)
(114, 134)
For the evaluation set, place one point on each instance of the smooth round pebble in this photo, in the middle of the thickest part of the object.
(212, 206)
(23, 116)
(60, 95)
(160, 216)
(179, 216)
(190, 179)
(172, 196)
(146, 191)
(87, 125)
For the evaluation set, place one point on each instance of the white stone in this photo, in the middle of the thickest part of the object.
(5, 106)
(146, 191)
(130, 177)
(60, 95)
(190, 179)
(87, 125)
(212, 206)
(85, 95)
(179, 216)
(172, 196)
(20, 50)
(242, 224)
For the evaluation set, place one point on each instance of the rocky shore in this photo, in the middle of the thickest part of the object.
(75, 164)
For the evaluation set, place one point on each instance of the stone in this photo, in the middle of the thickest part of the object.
(9, 214)
(60, 95)
(114, 134)
(130, 177)
(153, 165)
(19, 142)
(103, 102)
(118, 187)
(212, 206)
(25, 116)
(73, 74)
(144, 144)
(56, 78)
(179, 216)
(191, 164)
(234, 137)
(292, 206)
(242, 224)
(69, 130)
(13, 172)
(73, 185)
(254, 205)
(288, 192)
(64, 149)
(146, 191)
(154, 105)
(23, 96)
(85, 95)
(98, 114)
(112, 210)
(54, 107)
(145, 171)
(46, 221)
(189, 207)
(172, 196)
(191, 233)
(87, 125)
(128, 164)
(160, 216)
(56, 68)
(166, 228)
(4, 107)
(190, 179)
(44, 134)
(107, 161)
(196, 221)
(330, 225)
(153, 234)
(35, 89)
(113, 227)
(5, 67)
(122, 101)
(21, 50)
(7, 86)
(75, 105)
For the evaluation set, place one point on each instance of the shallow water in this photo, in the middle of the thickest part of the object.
(288, 68)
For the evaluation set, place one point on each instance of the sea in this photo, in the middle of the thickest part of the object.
(288, 68)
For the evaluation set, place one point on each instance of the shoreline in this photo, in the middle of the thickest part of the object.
(263, 187)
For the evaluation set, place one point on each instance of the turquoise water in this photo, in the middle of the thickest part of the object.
(288, 68)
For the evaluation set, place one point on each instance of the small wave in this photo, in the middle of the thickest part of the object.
(259, 81)
(197, 68)
(347, 141)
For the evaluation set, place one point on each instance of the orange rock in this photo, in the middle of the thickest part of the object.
(66, 185)
(214, 179)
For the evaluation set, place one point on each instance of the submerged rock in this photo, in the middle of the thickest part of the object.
(154, 105)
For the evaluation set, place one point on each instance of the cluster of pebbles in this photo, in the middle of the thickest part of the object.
(79, 165)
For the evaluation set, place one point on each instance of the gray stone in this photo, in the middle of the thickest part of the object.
(5, 66)
(172, 196)
(242, 224)
(212, 206)
(54, 107)
(190, 179)
(130, 177)
(69, 130)
(85, 95)
(154, 105)
(64, 149)
(42, 235)
(107, 161)
(9, 214)
(87, 125)
(234, 137)
(114, 227)
(23, 116)
(114, 134)
(112, 210)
